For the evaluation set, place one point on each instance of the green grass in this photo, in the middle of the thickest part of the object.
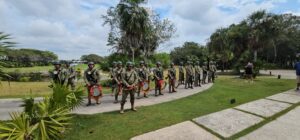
(30, 89)
(114, 126)
(40, 68)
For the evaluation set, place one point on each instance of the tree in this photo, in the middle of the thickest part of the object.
(191, 49)
(4, 45)
(135, 30)
(92, 58)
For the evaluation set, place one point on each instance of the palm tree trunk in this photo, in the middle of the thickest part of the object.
(255, 55)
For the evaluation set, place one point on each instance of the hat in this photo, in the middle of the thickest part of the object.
(142, 62)
(129, 63)
(158, 63)
(56, 63)
(91, 63)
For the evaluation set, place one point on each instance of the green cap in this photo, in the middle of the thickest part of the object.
(91, 63)
(129, 64)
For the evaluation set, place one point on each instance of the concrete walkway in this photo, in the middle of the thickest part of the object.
(229, 122)
(107, 105)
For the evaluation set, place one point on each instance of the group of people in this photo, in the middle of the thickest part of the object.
(130, 80)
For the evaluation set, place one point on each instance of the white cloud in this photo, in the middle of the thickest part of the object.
(72, 28)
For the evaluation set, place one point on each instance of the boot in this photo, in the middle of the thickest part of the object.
(132, 107)
(122, 109)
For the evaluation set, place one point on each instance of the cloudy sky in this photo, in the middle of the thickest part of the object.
(71, 28)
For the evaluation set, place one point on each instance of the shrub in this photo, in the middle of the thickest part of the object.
(24, 79)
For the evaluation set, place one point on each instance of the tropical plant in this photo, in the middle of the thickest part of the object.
(4, 45)
(135, 30)
(44, 120)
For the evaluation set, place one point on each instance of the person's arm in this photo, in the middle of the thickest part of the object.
(85, 78)
(135, 78)
(98, 73)
(123, 76)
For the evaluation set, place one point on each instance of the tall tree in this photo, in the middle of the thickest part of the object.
(136, 30)
(5, 43)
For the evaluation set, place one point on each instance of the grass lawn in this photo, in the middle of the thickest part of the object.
(40, 68)
(27, 89)
(114, 126)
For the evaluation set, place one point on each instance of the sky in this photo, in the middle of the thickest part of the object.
(72, 28)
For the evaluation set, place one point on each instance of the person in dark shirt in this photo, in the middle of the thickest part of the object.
(297, 68)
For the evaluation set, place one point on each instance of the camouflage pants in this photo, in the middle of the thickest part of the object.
(181, 78)
(210, 74)
(204, 78)
(71, 82)
(125, 94)
(197, 79)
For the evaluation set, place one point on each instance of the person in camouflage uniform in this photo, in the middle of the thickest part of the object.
(197, 74)
(92, 78)
(210, 71)
(111, 73)
(129, 80)
(143, 74)
(59, 74)
(117, 76)
(158, 77)
(172, 78)
(189, 75)
(204, 72)
(71, 76)
(181, 74)
(214, 68)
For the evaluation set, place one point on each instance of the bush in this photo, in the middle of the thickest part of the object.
(106, 83)
(24, 79)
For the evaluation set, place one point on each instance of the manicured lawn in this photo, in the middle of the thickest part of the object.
(27, 89)
(40, 68)
(113, 126)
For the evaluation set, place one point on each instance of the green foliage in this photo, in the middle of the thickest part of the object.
(190, 51)
(164, 58)
(44, 120)
(18, 129)
(92, 58)
(19, 76)
(262, 36)
(133, 31)
(28, 58)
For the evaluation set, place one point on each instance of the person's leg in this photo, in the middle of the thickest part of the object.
(186, 81)
(123, 101)
(213, 77)
(89, 96)
(132, 99)
(156, 87)
(170, 85)
(139, 90)
(173, 85)
(298, 82)
(116, 93)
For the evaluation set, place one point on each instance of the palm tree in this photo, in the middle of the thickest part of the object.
(4, 45)
(133, 24)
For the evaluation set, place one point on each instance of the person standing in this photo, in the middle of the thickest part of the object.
(59, 74)
(249, 72)
(214, 72)
(113, 82)
(297, 68)
(92, 81)
(158, 77)
(118, 80)
(181, 74)
(172, 78)
(71, 76)
(129, 79)
(204, 71)
(197, 74)
(210, 71)
(189, 75)
(143, 78)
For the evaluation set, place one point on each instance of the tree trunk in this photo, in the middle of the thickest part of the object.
(132, 54)
(255, 56)
(275, 54)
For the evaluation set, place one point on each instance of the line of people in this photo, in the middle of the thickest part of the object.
(132, 80)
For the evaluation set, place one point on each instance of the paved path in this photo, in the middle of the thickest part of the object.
(229, 122)
(107, 105)
(285, 74)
